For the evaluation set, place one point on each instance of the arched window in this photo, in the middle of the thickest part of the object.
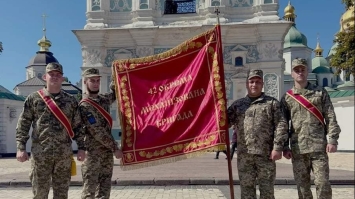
(325, 82)
(39, 75)
(239, 61)
(143, 4)
(215, 3)
(180, 6)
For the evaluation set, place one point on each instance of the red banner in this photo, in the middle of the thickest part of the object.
(172, 105)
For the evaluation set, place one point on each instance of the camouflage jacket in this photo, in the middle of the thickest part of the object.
(98, 130)
(48, 132)
(307, 134)
(261, 125)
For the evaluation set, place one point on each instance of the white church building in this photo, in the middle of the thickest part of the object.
(254, 36)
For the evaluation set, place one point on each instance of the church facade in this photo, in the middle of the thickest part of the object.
(252, 36)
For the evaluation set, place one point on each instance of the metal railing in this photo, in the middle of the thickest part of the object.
(180, 7)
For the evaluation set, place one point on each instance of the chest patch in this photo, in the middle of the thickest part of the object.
(91, 118)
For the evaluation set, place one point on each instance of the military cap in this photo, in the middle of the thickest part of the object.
(299, 62)
(54, 67)
(91, 72)
(255, 73)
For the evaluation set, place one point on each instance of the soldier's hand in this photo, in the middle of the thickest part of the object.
(112, 85)
(287, 154)
(21, 156)
(331, 148)
(275, 155)
(118, 154)
(81, 155)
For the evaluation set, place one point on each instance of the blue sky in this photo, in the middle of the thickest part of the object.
(21, 28)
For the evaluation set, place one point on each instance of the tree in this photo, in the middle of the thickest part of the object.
(344, 56)
(348, 3)
(1, 48)
(67, 80)
(79, 96)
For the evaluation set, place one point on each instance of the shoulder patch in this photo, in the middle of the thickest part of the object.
(91, 118)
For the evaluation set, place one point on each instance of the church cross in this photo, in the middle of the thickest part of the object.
(216, 10)
(44, 24)
(318, 37)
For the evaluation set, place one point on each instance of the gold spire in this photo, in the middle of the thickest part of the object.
(348, 18)
(44, 43)
(318, 50)
(289, 12)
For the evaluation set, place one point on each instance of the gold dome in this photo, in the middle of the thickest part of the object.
(318, 50)
(289, 12)
(289, 8)
(347, 19)
(44, 44)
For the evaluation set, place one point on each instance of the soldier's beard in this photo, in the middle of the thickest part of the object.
(93, 92)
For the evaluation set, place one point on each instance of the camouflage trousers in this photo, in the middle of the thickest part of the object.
(256, 168)
(317, 162)
(97, 174)
(49, 168)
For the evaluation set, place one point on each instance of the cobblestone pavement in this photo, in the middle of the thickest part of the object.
(176, 192)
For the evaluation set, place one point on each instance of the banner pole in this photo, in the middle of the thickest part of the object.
(230, 172)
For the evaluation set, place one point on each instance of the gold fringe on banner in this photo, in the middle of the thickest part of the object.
(172, 159)
(182, 47)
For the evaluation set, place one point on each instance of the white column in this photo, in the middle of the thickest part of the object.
(88, 5)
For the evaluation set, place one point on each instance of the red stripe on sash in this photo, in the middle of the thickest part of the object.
(57, 113)
(103, 112)
(307, 105)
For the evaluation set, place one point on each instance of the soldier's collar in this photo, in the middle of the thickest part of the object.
(85, 96)
(300, 91)
(46, 93)
(260, 98)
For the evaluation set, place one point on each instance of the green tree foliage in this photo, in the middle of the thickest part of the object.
(344, 57)
(348, 3)
(79, 96)
(67, 80)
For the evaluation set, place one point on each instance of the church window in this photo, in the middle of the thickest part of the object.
(143, 4)
(238, 61)
(268, 1)
(95, 5)
(39, 75)
(347, 77)
(325, 82)
(215, 3)
(180, 6)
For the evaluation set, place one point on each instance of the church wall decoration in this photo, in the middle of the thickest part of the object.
(121, 5)
(95, 5)
(271, 85)
(241, 3)
(252, 55)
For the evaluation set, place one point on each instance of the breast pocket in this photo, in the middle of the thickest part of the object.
(316, 100)
(264, 113)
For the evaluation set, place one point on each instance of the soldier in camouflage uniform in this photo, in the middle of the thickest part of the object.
(262, 131)
(51, 145)
(308, 136)
(101, 146)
